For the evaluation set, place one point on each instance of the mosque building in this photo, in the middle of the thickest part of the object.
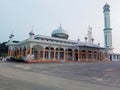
(58, 48)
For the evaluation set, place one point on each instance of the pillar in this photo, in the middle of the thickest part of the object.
(86, 56)
(54, 54)
(38, 52)
(78, 55)
(26, 52)
(8, 52)
(93, 59)
(49, 53)
(73, 55)
(43, 54)
(21, 52)
(30, 51)
(58, 54)
(64, 55)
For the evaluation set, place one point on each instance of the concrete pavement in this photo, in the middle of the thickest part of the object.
(64, 76)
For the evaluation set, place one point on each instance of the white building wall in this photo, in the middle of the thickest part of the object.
(114, 57)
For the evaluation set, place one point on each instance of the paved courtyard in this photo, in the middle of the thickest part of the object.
(60, 76)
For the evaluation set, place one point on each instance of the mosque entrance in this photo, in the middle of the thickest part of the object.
(76, 55)
(37, 52)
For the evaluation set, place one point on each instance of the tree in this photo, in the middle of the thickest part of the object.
(3, 49)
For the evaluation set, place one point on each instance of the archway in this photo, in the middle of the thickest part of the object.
(37, 51)
(51, 53)
(95, 55)
(89, 56)
(76, 55)
(69, 54)
(47, 53)
(59, 53)
(24, 51)
(83, 55)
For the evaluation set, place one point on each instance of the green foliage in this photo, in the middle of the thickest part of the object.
(19, 57)
(3, 49)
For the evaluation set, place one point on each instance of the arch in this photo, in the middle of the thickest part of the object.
(16, 51)
(61, 49)
(46, 52)
(36, 49)
(100, 56)
(69, 54)
(83, 51)
(46, 48)
(20, 51)
(24, 51)
(76, 54)
(59, 53)
(51, 51)
(56, 53)
(62, 54)
(89, 55)
(95, 55)
(76, 50)
(51, 48)
(89, 51)
(70, 50)
(95, 51)
(83, 55)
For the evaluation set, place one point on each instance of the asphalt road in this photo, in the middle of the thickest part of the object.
(60, 76)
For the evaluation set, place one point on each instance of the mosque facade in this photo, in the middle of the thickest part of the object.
(58, 48)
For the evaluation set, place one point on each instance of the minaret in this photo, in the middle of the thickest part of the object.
(11, 38)
(31, 34)
(107, 27)
(89, 36)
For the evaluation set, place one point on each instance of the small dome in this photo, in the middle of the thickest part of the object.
(106, 7)
(60, 33)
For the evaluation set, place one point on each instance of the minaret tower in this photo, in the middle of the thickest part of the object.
(11, 38)
(31, 34)
(107, 27)
(89, 36)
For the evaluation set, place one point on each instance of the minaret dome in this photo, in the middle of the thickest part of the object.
(106, 8)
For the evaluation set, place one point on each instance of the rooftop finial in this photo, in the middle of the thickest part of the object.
(32, 28)
(106, 8)
(78, 39)
(60, 26)
(89, 28)
(31, 33)
(11, 37)
(89, 34)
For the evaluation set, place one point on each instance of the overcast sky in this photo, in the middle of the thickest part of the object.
(18, 16)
